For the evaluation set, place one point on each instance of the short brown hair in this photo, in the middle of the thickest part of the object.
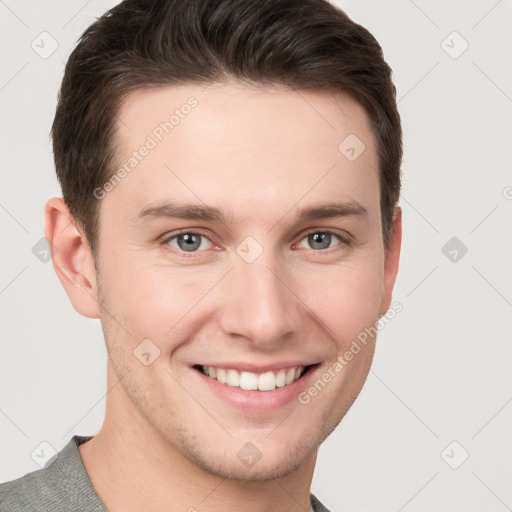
(302, 44)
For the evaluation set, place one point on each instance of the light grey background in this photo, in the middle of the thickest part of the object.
(442, 367)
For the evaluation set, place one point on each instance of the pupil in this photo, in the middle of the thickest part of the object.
(321, 240)
(188, 242)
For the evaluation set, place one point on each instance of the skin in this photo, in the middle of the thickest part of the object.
(259, 154)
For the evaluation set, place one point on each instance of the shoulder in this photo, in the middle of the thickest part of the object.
(317, 505)
(30, 492)
(62, 485)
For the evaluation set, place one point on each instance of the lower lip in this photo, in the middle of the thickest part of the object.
(258, 400)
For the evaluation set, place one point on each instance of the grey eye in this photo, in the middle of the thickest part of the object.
(188, 242)
(320, 240)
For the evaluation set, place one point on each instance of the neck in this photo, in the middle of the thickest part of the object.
(132, 468)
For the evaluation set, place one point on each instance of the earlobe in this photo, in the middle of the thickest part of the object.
(72, 259)
(392, 258)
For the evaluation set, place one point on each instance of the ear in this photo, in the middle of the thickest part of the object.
(391, 261)
(71, 257)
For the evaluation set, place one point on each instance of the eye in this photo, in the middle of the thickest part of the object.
(320, 240)
(187, 241)
(192, 242)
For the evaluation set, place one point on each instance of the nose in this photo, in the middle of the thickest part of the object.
(259, 304)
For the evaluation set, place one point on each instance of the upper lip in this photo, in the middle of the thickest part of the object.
(257, 368)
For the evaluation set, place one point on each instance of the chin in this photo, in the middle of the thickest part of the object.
(250, 464)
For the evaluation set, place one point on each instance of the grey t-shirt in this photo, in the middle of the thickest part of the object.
(63, 485)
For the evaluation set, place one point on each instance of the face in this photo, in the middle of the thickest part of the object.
(246, 249)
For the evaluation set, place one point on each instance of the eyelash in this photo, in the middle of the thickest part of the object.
(344, 241)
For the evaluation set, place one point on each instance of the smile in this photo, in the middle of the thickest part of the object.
(249, 381)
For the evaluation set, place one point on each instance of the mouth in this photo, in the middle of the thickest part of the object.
(251, 381)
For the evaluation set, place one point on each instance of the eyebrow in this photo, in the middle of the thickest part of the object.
(191, 211)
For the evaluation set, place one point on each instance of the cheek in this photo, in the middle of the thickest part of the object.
(157, 302)
(347, 299)
(163, 303)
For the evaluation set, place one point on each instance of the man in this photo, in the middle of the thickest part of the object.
(230, 171)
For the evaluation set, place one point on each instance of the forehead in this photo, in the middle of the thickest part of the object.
(246, 145)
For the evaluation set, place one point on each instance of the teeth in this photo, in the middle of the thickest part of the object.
(267, 381)
(221, 375)
(290, 375)
(233, 378)
(250, 381)
(280, 378)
